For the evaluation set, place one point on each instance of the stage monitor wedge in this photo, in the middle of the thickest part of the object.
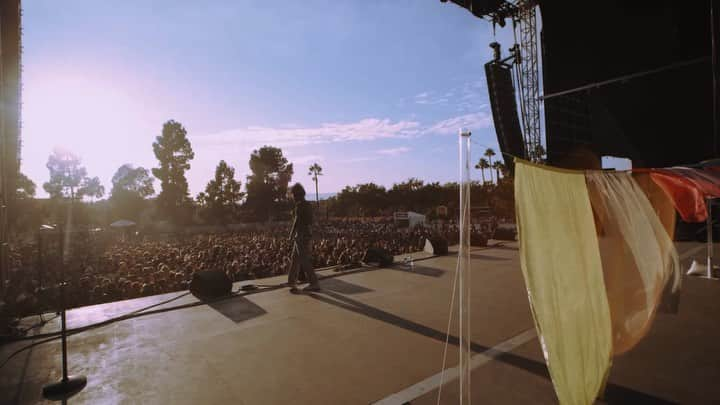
(504, 110)
(210, 284)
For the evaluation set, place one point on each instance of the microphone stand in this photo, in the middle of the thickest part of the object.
(69, 385)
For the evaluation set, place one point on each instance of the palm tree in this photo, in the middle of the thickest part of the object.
(315, 170)
(489, 152)
(482, 165)
(498, 166)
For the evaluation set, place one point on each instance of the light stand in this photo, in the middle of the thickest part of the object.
(69, 385)
(706, 270)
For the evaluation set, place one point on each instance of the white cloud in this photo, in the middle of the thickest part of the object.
(394, 151)
(474, 121)
(361, 159)
(428, 97)
(306, 159)
(244, 140)
(364, 130)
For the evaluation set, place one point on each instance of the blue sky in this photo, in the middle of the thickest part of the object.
(371, 90)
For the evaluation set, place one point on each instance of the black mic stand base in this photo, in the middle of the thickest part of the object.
(64, 388)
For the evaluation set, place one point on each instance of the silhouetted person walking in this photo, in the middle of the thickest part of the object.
(301, 235)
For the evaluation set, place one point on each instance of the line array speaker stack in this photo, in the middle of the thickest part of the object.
(504, 109)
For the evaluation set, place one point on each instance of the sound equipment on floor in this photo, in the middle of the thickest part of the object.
(478, 239)
(210, 284)
(436, 245)
(382, 257)
(504, 109)
(505, 233)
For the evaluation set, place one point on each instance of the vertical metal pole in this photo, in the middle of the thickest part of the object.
(713, 34)
(464, 266)
(62, 307)
(708, 205)
(40, 260)
(3, 263)
(64, 335)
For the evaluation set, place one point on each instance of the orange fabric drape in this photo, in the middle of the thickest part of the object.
(660, 201)
(688, 188)
(638, 256)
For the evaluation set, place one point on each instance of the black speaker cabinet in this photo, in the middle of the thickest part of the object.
(210, 284)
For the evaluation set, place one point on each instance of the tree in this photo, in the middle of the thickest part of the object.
(202, 199)
(23, 212)
(25, 187)
(315, 170)
(268, 184)
(403, 195)
(131, 186)
(489, 152)
(498, 166)
(134, 180)
(174, 153)
(222, 194)
(92, 188)
(66, 175)
(482, 165)
(371, 197)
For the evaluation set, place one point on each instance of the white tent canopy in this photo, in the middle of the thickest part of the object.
(415, 219)
(122, 223)
(411, 218)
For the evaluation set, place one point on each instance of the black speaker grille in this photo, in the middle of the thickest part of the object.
(504, 109)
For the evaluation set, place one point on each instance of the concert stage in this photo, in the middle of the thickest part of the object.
(373, 335)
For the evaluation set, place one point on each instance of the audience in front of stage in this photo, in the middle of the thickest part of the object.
(123, 270)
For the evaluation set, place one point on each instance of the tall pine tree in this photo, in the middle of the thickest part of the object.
(174, 153)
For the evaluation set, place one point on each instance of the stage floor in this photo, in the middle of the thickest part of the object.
(370, 336)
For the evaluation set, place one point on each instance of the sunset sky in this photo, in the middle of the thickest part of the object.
(371, 90)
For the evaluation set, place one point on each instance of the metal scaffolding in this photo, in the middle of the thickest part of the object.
(528, 72)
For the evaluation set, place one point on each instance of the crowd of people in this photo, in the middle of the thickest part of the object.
(98, 272)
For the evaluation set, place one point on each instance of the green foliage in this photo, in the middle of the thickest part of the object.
(367, 199)
(489, 152)
(414, 195)
(24, 212)
(133, 179)
(25, 187)
(499, 168)
(66, 175)
(482, 165)
(222, 194)
(174, 153)
(92, 188)
(315, 170)
(267, 184)
(131, 187)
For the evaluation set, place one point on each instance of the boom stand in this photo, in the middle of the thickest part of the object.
(463, 269)
(69, 385)
(708, 269)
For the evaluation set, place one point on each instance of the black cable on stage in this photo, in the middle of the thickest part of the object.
(42, 322)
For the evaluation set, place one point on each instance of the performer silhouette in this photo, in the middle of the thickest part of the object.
(301, 237)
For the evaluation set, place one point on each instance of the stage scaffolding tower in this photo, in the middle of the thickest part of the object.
(528, 73)
(10, 112)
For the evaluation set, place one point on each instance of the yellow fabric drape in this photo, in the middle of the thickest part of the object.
(562, 268)
(662, 204)
(638, 256)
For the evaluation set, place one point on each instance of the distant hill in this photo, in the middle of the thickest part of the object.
(322, 196)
